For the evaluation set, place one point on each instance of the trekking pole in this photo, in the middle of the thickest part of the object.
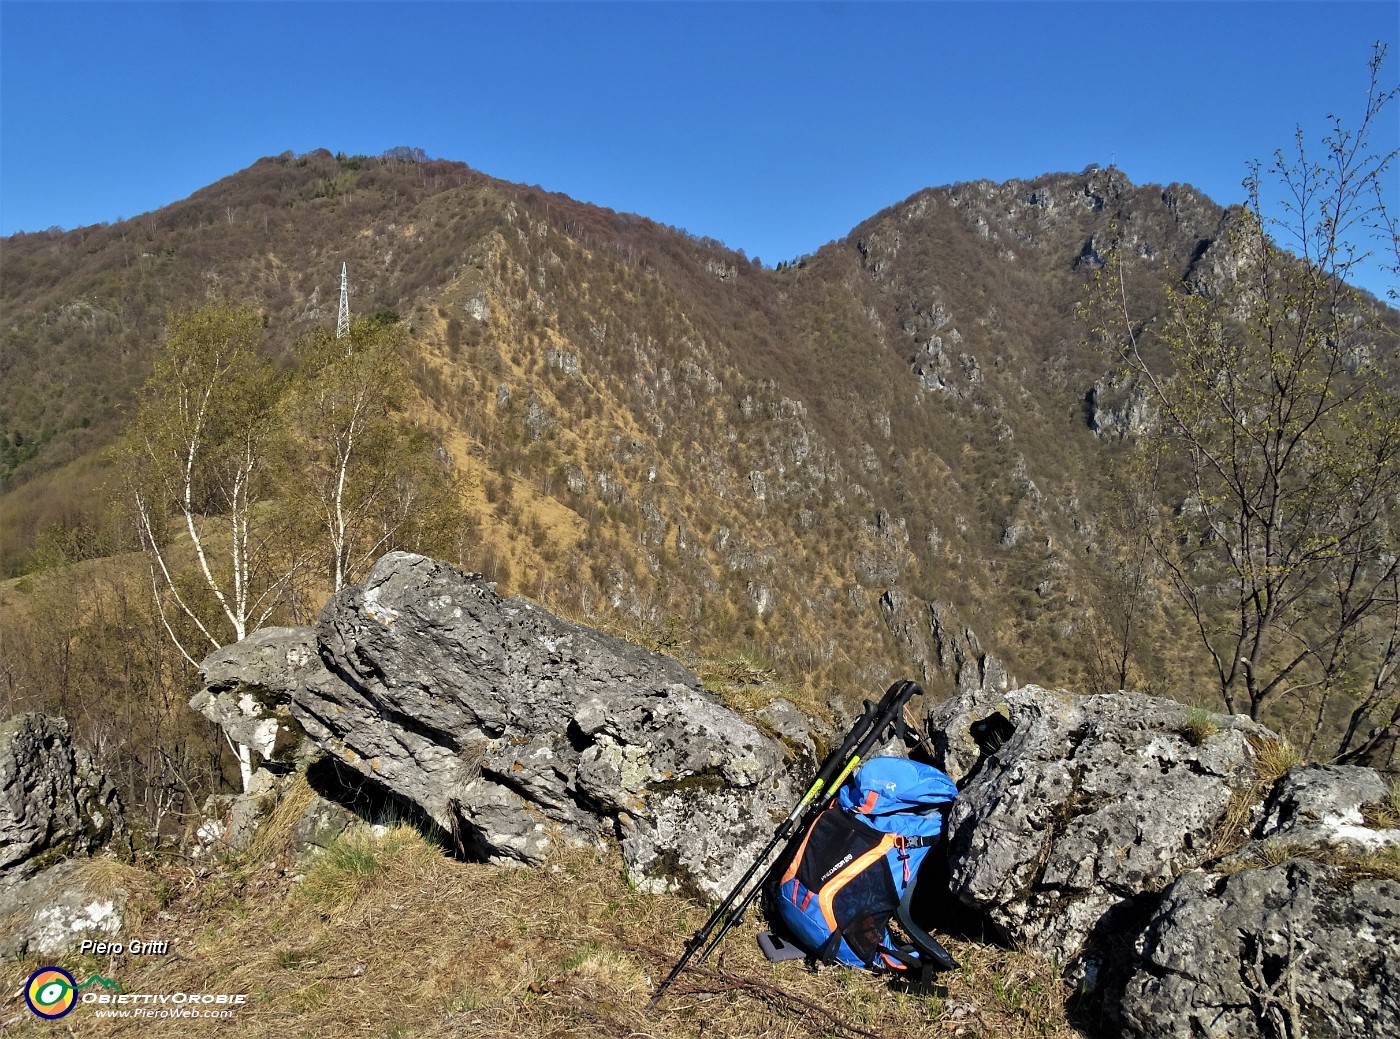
(868, 730)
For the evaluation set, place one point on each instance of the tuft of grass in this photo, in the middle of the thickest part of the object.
(1383, 864)
(746, 682)
(1232, 831)
(273, 839)
(1350, 863)
(1273, 758)
(146, 892)
(1200, 725)
(473, 756)
(1355, 864)
(1276, 853)
(1384, 815)
(748, 700)
(748, 668)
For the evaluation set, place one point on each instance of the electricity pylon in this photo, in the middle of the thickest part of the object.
(342, 321)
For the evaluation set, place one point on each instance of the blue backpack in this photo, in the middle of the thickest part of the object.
(856, 866)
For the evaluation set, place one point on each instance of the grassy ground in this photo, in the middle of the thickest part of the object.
(384, 936)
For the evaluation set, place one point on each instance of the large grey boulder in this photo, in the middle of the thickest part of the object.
(1298, 949)
(246, 688)
(54, 802)
(1137, 843)
(1090, 805)
(513, 729)
(1297, 932)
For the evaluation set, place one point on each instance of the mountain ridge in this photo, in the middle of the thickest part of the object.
(798, 462)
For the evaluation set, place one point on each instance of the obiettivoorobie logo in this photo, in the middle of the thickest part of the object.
(51, 991)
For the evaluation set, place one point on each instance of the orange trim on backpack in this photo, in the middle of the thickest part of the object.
(797, 859)
(871, 799)
(801, 850)
(832, 887)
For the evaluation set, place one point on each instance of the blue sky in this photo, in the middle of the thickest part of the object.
(773, 127)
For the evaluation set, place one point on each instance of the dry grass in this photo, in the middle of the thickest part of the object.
(1272, 761)
(1386, 814)
(1272, 758)
(273, 839)
(146, 892)
(388, 938)
(1275, 853)
(1350, 863)
(1232, 832)
(746, 669)
(1383, 864)
(357, 862)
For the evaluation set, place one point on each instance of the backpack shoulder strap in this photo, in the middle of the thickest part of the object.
(927, 945)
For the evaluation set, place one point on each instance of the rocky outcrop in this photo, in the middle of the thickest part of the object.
(936, 645)
(1296, 933)
(56, 807)
(1323, 806)
(1137, 843)
(1118, 409)
(1144, 845)
(956, 726)
(1296, 949)
(48, 913)
(510, 728)
(54, 802)
(1090, 804)
(960, 653)
(245, 691)
(233, 822)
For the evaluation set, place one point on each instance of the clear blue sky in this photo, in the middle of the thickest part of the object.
(773, 127)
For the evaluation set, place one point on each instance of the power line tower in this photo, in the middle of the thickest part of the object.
(342, 321)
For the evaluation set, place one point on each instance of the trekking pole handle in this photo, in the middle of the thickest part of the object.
(873, 714)
(864, 734)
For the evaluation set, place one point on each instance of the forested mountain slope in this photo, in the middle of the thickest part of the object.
(832, 466)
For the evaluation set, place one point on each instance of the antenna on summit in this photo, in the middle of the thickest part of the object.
(342, 321)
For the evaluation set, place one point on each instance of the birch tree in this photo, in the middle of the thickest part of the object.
(367, 478)
(202, 450)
